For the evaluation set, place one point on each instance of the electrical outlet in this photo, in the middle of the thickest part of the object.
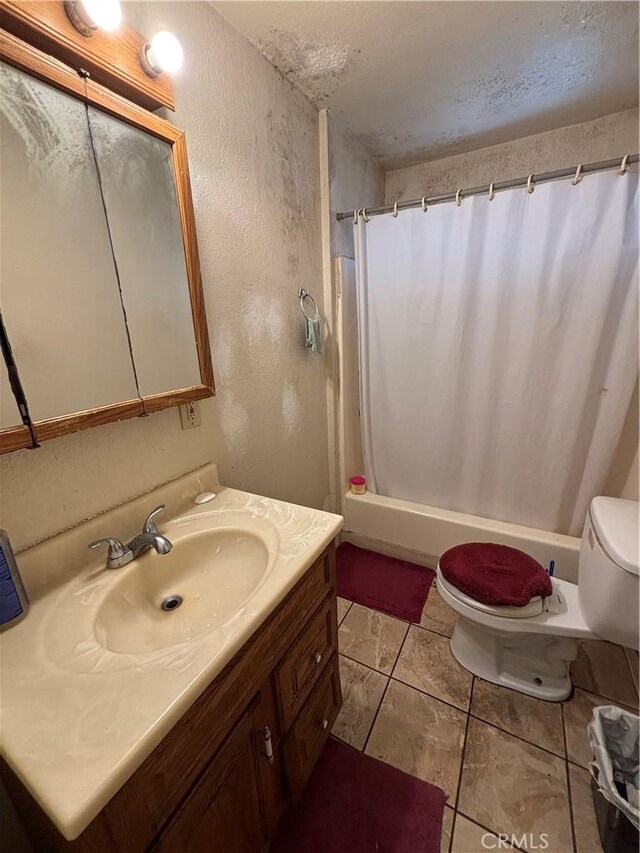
(190, 415)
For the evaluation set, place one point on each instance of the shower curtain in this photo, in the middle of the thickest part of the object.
(498, 346)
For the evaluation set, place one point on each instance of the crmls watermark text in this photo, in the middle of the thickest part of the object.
(527, 841)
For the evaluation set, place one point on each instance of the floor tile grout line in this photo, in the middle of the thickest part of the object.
(573, 763)
(608, 699)
(365, 665)
(400, 650)
(403, 621)
(382, 695)
(517, 737)
(433, 696)
(382, 612)
(375, 717)
(464, 750)
(430, 630)
(470, 713)
(632, 671)
(474, 820)
(345, 612)
(466, 711)
(384, 692)
(368, 665)
(468, 716)
(486, 828)
(568, 763)
(571, 820)
(453, 826)
(568, 778)
(464, 745)
(453, 830)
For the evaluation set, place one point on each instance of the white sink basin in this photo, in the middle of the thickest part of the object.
(204, 580)
(114, 618)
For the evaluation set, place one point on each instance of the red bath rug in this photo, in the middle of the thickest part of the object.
(383, 583)
(357, 804)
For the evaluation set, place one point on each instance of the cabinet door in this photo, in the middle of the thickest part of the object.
(223, 811)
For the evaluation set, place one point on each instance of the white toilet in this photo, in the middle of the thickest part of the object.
(530, 648)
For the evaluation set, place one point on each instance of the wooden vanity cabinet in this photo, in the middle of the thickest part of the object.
(223, 776)
(223, 810)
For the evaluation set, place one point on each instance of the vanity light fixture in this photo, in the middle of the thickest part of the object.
(89, 15)
(163, 54)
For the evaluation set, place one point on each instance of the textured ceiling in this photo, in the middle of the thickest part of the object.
(420, 80)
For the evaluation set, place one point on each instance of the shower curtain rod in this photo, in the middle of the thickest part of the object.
(543, 177)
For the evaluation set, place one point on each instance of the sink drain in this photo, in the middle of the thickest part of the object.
(172, 602)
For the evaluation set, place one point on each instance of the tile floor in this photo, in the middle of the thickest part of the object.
(508, 763)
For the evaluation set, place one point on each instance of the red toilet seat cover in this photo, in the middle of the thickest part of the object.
(495, 574)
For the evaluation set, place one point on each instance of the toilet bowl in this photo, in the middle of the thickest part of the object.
(530, 648)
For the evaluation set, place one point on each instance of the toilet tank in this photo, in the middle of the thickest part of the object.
(608, 582)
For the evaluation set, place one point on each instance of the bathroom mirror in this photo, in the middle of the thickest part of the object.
(100, 285)
(9, 414)
(58, 286)
(139, 189)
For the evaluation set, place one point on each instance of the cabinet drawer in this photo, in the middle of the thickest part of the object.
(310, 731)
(319, 580)
(299, 671)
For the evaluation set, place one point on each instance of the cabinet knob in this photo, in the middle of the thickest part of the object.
(325, 724)
(318, 659)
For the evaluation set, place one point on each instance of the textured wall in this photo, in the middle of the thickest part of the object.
(355, 180)
(253, 153)
(623, 480)
(613, 135)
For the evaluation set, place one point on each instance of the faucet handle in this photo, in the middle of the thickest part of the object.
(150, 525)
(118, 553)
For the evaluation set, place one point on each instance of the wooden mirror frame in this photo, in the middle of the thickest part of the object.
(55, 73)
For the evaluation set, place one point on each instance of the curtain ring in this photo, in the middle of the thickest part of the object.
(355, 216)
(364, 214)
(579, 176)
(395, 209)
(625, 164)
(530, 184)
(458, 199)
(491, 191)
(424, 204)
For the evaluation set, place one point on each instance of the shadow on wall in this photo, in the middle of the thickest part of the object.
(623, 476)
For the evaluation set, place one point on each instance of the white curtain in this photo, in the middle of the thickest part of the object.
(498, 348)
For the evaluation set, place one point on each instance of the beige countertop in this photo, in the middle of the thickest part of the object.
(78, 719)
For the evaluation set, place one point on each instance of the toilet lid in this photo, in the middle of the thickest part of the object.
(495, 575)
(533, 608)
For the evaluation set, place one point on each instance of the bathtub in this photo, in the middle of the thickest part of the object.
(422, 533)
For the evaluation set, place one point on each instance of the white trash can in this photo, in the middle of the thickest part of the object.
(614, 735)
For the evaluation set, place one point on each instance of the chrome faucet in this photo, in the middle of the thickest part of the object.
(120, 554)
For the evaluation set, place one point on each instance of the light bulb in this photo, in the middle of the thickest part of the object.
(163, 54)
(89, 15)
